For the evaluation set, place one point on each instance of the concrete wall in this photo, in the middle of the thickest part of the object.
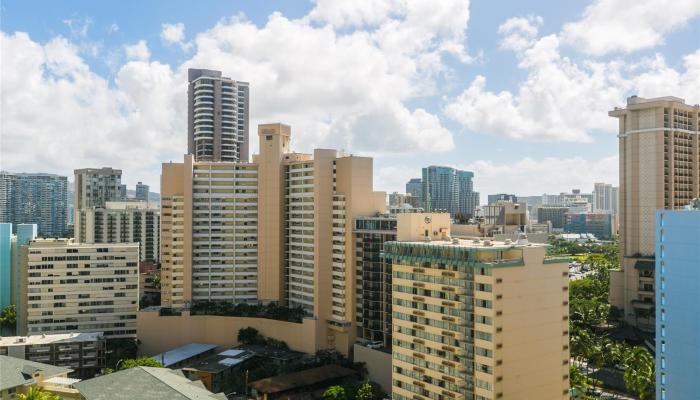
(219, 330)
(378, 364)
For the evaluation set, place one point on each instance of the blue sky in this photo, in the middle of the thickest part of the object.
(516, 91)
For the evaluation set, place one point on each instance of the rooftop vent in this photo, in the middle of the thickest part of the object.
(522, 239)
(426, 238)
(455, 241)
(487, 243)
(508, 241)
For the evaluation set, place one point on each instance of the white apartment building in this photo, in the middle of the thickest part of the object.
(71, 287)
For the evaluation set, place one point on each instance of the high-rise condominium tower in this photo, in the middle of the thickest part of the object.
(217, 117)
(35, 199)
(659, 169)
(476, 319)
(279, 229)
(94, 187)
(451, 190)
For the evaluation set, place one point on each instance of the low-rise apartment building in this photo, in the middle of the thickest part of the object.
(84, 353)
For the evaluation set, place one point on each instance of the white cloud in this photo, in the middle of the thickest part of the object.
(519, 33)
(137, 51)
(336, 87)
(525, 176)
(113, 28)
(333, 87)
(175, 34)
(528, 176)
(51, 99)
(628, 25)
(78, 26)
(561, 99)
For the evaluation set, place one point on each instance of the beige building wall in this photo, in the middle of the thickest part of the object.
(219, 330)
(659, 169)
(172, 191)
(491, 313)
(71, 287)
(378, 364)
(274, 144)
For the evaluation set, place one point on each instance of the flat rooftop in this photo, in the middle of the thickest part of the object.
(49, 339)
(174, 356)
(222, 361)
(301, 379)
(476, 243)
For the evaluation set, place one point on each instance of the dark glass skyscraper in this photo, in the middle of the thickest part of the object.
(28, 198)
(451, 190)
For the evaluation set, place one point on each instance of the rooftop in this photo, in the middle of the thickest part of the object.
(222, 361)
(271, 352)
(48, 339)
(477, 243)
(183, 353)
(145, 383)
(18, 372)
(301, 379)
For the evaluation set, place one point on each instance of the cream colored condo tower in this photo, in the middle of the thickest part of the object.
(476, 319)
(278, 229)
(659, 169)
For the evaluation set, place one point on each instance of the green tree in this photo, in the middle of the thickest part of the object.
(139, 362)
(335, 393)
(640, 373)
(366, 392)
(35, 393)
(250, 335)
(577, 381)
(8, 317)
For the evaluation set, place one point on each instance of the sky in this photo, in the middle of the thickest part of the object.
(516, 91)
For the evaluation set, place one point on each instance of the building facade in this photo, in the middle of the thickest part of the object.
(493, 198)
(677, 279)
(35, 199)
(659, 169)
(94, 187)
(123, 222)
(552, 214)
(217, 117)
(476, 319)
(449, 190)
(84, 353)
(76, 287)
(142, 192)
(414, 187)
(373, 284)
(598, 224)
(278, 229)
(6, 245)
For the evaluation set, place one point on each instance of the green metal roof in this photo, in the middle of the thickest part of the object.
(17, 372)
(145, 383)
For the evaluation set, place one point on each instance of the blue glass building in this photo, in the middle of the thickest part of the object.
(449, 190)
(35, 198)
(5, 265)
(677, 301)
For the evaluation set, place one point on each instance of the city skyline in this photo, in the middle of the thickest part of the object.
(125, 85)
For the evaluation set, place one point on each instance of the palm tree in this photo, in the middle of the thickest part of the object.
(640, 373)
(35, 393)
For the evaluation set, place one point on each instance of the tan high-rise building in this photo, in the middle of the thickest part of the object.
(94, 187)
(278, 229)
(476, 319)
(76, 287)
(659, 169)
